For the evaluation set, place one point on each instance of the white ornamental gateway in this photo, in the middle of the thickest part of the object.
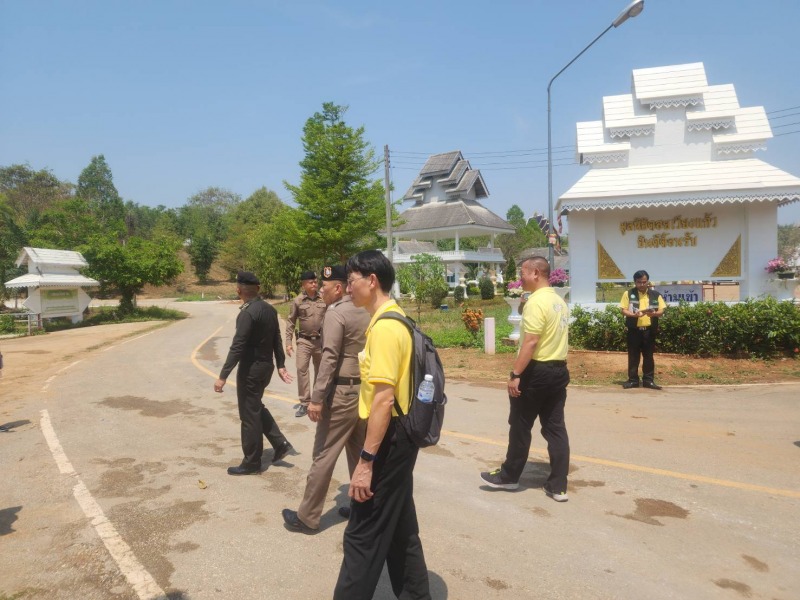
(55, 287)
(674, 188)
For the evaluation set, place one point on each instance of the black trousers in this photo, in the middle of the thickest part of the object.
(251, 380)
(385, 529)
(544, 393)
(641, 343)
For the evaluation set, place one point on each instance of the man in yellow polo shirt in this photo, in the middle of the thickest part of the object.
(383, 520)
(537, 385)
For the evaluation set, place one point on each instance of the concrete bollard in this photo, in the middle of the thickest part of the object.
(488, 335)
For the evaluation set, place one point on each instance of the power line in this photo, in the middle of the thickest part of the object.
(786, 125)
(772, 112)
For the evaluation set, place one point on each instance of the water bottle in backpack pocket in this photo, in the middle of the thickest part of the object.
(426, 389)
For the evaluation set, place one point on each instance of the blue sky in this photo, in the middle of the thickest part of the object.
(180, 95)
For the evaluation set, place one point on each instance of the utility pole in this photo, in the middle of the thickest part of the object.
(389, 249)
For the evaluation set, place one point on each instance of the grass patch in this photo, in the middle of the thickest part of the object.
(203, 297)
(107, 315)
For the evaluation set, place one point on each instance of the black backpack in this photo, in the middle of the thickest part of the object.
(423, 423)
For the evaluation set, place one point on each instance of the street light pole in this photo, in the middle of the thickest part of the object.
(632, 10)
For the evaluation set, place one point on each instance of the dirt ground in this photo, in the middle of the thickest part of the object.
(610, 368)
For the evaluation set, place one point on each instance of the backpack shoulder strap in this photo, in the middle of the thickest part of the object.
(409, 323)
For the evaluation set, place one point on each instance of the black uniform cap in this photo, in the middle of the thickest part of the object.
(308, 275)
(334, 273)
(247, 278)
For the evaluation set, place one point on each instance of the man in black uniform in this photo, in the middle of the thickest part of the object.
(257, 338)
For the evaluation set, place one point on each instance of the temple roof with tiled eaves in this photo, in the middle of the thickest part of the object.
(445, 196)
(453, 173)
(469, 217)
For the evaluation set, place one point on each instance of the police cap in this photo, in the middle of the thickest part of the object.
(306, 275)
(247, 278)
(334, 273)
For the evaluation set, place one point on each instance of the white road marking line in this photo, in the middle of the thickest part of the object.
(47, 382)
(142, 582)
(138, 337)
(69, 366)
(107, 349)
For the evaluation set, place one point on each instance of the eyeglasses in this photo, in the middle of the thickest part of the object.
(352, 280)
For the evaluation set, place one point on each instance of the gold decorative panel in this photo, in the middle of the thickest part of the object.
(606, 267)
(731, 263)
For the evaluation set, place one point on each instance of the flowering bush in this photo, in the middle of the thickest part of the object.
(776, 265)
(559, 278)
(514, 288)
(472, 318)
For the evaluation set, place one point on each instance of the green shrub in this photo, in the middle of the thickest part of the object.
(458, 294)
(487, 288)
(757, 328)
(598, 330)
(6, 324)
(437, 296)
(472, 291)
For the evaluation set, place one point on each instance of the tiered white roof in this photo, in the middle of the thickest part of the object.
(51, 268)
(642, 154)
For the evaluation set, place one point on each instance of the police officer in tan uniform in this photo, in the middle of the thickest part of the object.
(305, 322)
(334, 401)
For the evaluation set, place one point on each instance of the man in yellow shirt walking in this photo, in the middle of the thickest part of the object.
(537, 385)
(383, 520)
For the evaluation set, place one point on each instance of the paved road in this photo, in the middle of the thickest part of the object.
(685, 493)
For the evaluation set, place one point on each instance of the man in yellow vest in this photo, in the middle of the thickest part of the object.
(641, 306)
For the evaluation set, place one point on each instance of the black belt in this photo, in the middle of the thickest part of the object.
(305, 336)
(550, 363)
(348, 380)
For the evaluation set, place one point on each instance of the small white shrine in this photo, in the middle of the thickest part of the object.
(674, 188)
(446, 196)
(55, 287)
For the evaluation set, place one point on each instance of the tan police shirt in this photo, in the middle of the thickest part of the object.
(307, 314)
(343, 337)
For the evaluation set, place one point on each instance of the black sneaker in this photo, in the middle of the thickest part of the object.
(557, 496)
(651, 385)
(630, 384)
(497, 481)
(302, 411)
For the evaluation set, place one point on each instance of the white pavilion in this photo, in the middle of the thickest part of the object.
(55, 286)
(674, 188)
(446, 206)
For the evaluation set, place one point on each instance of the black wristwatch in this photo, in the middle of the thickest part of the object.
(367, 456)
(513, 375)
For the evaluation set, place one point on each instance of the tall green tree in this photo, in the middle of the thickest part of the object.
(258, 209)
(276, 252)
(65, 225)
(11, 241)
(207, 212)
(96, 187)
(527, 235)
(131, 266)
(340, 207)
(202, 252)
(30, 192)
(425, 278)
